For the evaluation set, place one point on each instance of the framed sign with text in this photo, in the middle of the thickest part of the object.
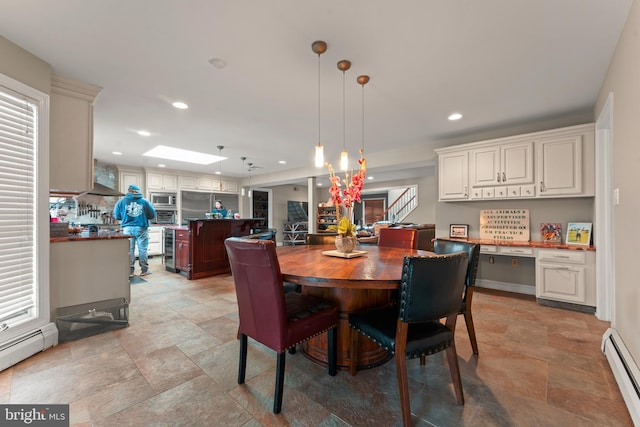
(504, 224)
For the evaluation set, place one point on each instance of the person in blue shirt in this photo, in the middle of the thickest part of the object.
(219, 209)
(134, 212)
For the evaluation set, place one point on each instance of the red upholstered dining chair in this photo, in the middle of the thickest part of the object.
(398, 238)
(429, 291)
(277, 320)
(442, 246)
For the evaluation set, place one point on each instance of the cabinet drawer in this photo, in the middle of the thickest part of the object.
(506, 250)
(513, 191)
(564, 257)
(476, 193)
(182, 234)
(528, 191)
(489, 193)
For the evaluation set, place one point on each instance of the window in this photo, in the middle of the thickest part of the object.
(24, 246)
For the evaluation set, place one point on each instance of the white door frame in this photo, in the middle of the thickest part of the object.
(604, 203)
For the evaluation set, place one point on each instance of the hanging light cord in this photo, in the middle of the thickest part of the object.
(363, 118)
(344, 116)
(319, 99)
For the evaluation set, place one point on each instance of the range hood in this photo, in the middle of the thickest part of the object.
(102, 190)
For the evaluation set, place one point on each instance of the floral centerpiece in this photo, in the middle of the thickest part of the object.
(345, 197)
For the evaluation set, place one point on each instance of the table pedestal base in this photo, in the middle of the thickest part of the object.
(349, 300)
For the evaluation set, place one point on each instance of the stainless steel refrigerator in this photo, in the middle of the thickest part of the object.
(196, 204)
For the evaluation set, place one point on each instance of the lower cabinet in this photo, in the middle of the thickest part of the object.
(155, 241)
(182, 250)
(566, 275)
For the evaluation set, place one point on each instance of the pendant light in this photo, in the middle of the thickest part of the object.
(343, 66)
(319, 47)
(242, 189)
(362, 80)
(219, 172)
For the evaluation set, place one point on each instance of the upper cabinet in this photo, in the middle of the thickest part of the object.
(454, 175)
(555, 163)
(198, 182)
(71, 135)
(560, 166)
(162, 181)
(130, 177)
(502, 165)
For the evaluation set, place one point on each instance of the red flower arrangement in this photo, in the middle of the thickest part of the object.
(347, 196)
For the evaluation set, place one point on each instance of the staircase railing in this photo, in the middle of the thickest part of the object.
(401, 207)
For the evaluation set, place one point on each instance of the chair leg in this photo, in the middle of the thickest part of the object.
(353, 351)
(454, 368)
(468, 319)
(292, 350)
(423, 360)
(332, 349)
(277, 398)
(242, 367)
(401, 371)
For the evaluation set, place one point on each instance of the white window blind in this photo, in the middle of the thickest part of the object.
(18, 289)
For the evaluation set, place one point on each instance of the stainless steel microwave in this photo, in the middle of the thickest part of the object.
(165, 201)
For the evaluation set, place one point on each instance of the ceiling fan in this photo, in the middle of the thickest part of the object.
(252, 167)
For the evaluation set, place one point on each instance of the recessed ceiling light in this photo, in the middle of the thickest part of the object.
(319, 184)
(171, 153)
(455, 116)
(219, 63)
(180, 105)
(144, 133)
(370, 178)
(117, 153)
(162, 166)
(282, 162)
(218, 173)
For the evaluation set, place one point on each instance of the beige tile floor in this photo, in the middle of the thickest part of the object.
(176, 365)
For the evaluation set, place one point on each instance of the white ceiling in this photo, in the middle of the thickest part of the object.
(501, 63)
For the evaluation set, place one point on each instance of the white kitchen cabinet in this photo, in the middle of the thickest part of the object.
(566, 275)
(155, 241)
(502, 165)
(559, 166)
(553, 163)
(453, 172)
(162, 181)
(130, 177)
(71, 135)
(196, 182)
(229, 186)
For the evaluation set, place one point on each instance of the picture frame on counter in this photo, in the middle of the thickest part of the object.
(579, 233)
(459, 231)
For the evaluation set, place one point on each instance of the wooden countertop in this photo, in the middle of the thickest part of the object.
(530, 244)
(86, 236)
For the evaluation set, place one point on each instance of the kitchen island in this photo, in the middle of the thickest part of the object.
(88, 267)
(199, 249)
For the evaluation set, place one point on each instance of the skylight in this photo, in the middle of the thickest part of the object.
(171, 153)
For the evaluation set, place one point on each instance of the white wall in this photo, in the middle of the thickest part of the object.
(623, 79)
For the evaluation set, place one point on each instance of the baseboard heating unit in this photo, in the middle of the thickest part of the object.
(27, 345)
(625, 371)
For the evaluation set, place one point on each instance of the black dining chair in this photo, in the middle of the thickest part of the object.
(430, 290)
(443, 246)
(272, 317)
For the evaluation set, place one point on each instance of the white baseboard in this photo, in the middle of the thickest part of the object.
(625, 371)
(508, 287)
(27, 345)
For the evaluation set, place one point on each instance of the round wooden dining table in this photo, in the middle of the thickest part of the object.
(353, 283)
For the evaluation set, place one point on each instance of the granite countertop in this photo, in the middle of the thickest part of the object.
(530, 244)
(85, 236)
